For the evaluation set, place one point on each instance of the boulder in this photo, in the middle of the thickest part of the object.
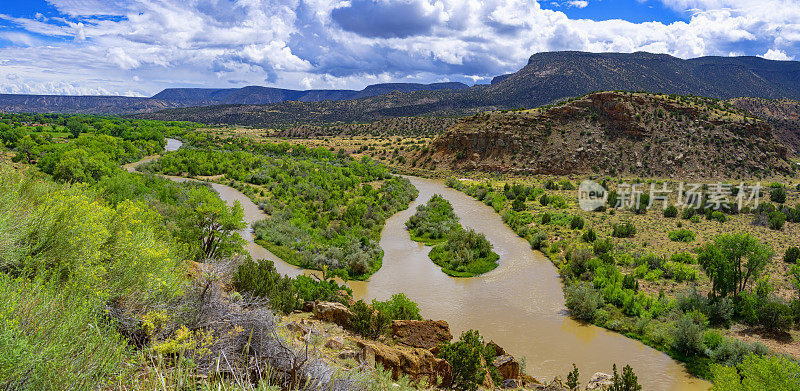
(308, 306)
(349, 354)
(335, 343)
(424, 334)
(512, 383)
(600, 381)
(556, 385)
(498, 351)
(507, 366)
(332, 312)
(416, 363)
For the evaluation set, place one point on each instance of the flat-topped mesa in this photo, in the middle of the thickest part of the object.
(615, 133)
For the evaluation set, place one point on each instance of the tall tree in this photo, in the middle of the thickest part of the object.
(731, 261)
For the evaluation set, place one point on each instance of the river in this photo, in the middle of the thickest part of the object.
(519, 305)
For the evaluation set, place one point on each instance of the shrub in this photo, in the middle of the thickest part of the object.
(712, 339)
(776, 220)
(681, 235)
(366, 321)
(717, 216)
(572, 378)
(577, 222)
(683, 258)
(602, 246)
(688, 213)
(791, 255)
(545, 218)
(538, 240)
(628, 381)
(589, 236)
(671, 211)
(731, 351)
(687, 336)
(544, 200)
(465, 357)
(757, 373)
(260, 278)
(778, 194)
(398, 307)
(582, 300)
(776, 316)
(624, 230)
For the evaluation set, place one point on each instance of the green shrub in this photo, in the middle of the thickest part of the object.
(671, 211)
(688, 213)
(572, 378)
(260, 278)
(602, 246)
(465, 357)
(686, 258)
(778, 194)
(775, 316)
(545, 218)
(791, 255)
(398, 307)
(776, 220)
(544, 200)
(712, 339)
(538, 240)
(717, 216)
(687, 336)
(757, 373)
(628, 381)
(624, 230)
(589, 235)
(681, 235)
(582, 300)
(576, 222)
(731, 351)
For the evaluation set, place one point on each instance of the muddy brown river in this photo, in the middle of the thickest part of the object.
(519, 305)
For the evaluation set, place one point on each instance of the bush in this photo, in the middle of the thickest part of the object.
(717, 216)
(712, 339)
(628, 381)
(544, 200)
(465, 357)
(686, 258)
(545, 218)
(778, 195)
(731, 351)
(687, 336)
(776, 220)
(582, 300)
(688, 213)
(791, 255)
(260, 278)
(602, 246)
(589, 236)
(538, 240)
(681, 235)
(757, 373)
(577, 222)
(624, 230)
(398, 307)
(776, 317)
(671, 211)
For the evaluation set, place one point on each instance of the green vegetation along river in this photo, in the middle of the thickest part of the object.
(519, 305)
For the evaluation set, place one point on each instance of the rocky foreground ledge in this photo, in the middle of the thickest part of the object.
(411, 350)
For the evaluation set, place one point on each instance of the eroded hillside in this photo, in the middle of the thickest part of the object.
(614, 133)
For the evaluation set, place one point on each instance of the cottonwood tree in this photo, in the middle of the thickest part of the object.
(213, 223)
(731, 261)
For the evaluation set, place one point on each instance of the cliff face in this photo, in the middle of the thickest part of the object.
(614, 133)
(782, 114)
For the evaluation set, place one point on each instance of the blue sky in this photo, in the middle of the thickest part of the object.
(138, 47)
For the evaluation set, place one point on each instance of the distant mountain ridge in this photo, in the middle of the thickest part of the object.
(188, 97)
(547, 78)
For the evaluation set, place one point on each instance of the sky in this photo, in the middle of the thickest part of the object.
(139, 47)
